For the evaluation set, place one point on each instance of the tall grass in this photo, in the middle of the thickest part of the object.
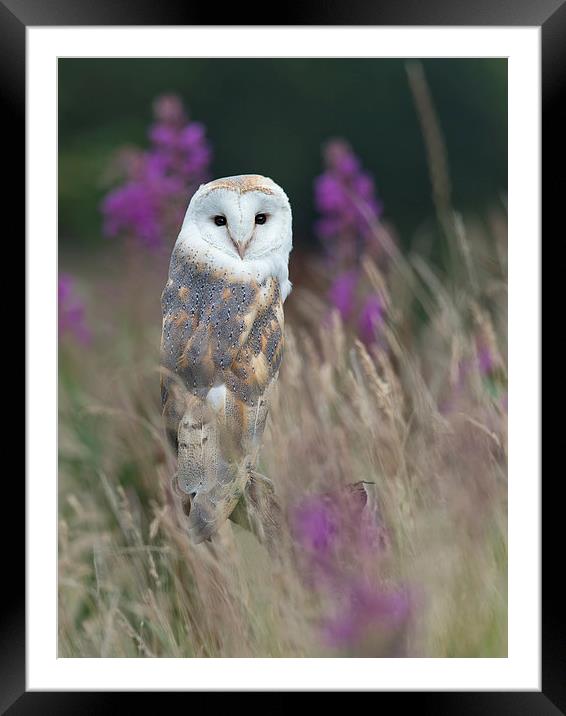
(421, 415)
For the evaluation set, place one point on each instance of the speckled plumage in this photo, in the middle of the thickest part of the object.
(221, 348)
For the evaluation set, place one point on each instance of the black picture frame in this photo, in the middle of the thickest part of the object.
(15, 16)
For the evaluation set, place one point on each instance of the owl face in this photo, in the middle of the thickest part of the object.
(242, 224)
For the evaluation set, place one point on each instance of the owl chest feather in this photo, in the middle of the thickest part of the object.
(221, 332)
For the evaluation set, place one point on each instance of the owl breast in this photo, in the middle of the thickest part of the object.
(222, 338)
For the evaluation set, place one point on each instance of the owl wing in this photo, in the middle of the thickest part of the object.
(221, 348)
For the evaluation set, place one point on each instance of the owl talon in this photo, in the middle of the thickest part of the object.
(265, 482)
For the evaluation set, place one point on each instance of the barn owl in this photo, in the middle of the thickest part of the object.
(222, 340)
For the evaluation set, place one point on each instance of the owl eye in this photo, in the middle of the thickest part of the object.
(220, 220)
(260, 218)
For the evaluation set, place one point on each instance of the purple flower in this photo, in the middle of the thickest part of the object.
(365, 610)
(371, 318)
(343, 293)
(168, 109)
(314, 526)
(193, 136)
(330, 194)
(164, 136)
(345, 197)
(349, 208)
(149, 205)
(71, 311)
(328, 227)
(339, 543)
(133, 209)
(333, 521)
(339, 157)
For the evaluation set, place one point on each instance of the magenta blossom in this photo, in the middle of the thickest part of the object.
(345, 197)
(343, 293)
(148, 206)
(339, 542)
(315, 526)
(133, 209)
(71, 311)
(330, 521)
(371, 319)
(168, 109)
(366, 610)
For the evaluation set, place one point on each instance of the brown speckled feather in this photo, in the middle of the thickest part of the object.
(217, 332)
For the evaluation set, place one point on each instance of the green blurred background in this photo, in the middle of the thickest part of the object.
(271, 116)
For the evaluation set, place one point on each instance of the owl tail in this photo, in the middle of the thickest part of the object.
(210, 478)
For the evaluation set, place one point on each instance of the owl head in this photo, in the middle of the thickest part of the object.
(241, 224)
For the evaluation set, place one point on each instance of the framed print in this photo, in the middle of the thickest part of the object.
(283, 395)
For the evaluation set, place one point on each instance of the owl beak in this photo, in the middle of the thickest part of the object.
(241, 246)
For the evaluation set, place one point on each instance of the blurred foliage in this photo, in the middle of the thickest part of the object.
(271, 116)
